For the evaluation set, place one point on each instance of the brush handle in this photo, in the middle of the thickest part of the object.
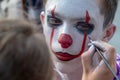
(105, 61)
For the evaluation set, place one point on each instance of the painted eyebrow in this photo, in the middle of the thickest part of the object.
(83, 18)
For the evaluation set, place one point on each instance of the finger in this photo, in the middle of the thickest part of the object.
(102, 68)
(108, 50)
(109, 53)
(99, 45)
(87, 59)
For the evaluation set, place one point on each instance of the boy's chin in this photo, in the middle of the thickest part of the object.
(68, 67)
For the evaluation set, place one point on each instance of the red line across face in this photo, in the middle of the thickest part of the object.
(84, 43)
(87, 17)
(52, 33)
(85, 33)
(53, 11)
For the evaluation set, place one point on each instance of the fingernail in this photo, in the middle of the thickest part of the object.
(89, 44)
(92, 48)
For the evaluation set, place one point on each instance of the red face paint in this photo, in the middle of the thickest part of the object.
(87, 17)
(85, 34)
(53, 12)
(52, 33)
(65, 40)
(83, 44)
(67, 57)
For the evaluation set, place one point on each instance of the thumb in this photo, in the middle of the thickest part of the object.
(87, 59)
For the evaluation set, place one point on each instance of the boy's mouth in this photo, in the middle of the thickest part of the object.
(65, 56)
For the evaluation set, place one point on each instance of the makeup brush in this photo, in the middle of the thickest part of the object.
(105, 60)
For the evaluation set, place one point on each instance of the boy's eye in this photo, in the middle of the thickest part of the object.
(83, 26)
(53, 21)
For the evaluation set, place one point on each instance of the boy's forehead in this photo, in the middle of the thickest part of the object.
(72, 3)
(73, 7)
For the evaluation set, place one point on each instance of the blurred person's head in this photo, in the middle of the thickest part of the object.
(23, 55)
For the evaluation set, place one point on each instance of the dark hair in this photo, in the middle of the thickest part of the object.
(23, 56)
(107, 8)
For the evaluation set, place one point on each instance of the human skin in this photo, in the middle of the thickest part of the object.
(67, 25)
(98, 71)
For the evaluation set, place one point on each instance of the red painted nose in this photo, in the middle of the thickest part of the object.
(65, 40)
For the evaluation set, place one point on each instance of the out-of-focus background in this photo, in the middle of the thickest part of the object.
(116, 38)
(30, 10)
(22, 9)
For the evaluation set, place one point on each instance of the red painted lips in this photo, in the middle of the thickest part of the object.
(65, 56)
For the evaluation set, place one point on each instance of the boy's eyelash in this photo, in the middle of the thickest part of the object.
(56, 21)
(83, 26)
(80, 26)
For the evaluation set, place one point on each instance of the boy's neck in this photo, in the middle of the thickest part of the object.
(76, 75)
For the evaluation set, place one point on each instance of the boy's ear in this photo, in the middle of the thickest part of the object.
(109, 32)
(42, 16)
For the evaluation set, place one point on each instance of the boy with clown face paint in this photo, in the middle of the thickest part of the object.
(67, 25)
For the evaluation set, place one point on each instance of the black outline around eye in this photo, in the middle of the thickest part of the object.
(52, 25)
(83, 26)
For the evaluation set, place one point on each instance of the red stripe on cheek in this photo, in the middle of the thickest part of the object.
(87, 17)
(53, 12)
(84, 43)
(52, 33)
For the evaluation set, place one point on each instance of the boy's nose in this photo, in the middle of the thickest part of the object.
(65, 40)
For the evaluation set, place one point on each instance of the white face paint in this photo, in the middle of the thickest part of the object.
(62, 18)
